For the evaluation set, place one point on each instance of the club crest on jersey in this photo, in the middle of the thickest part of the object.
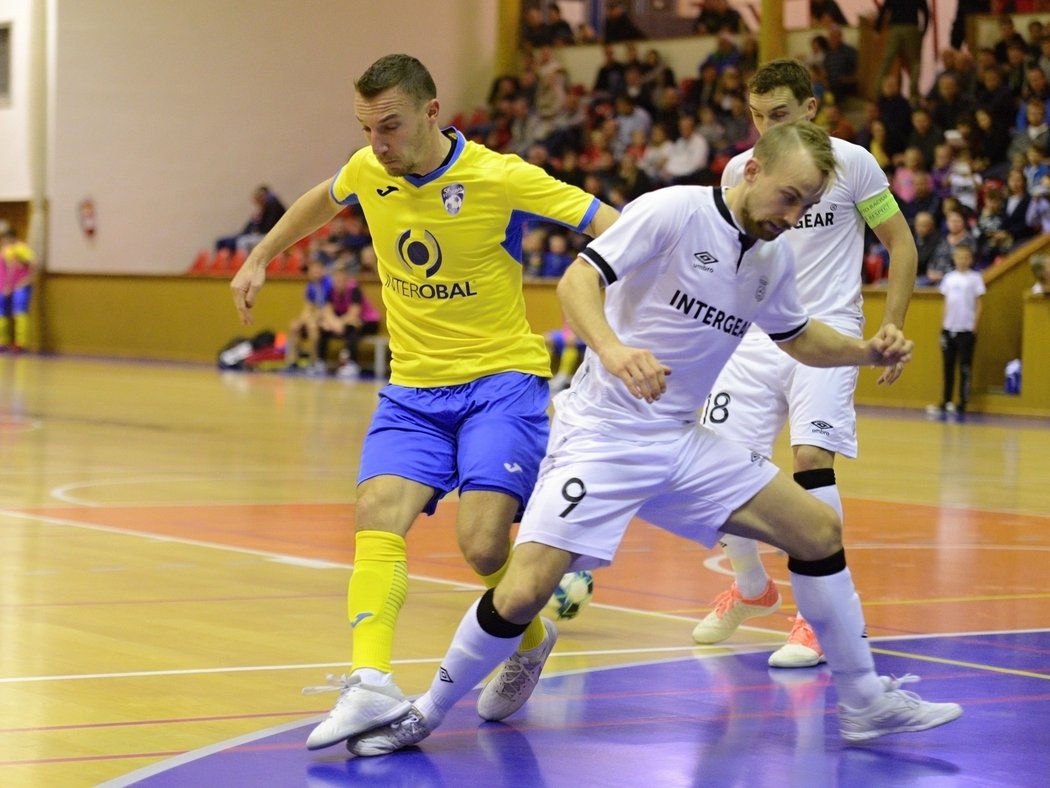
(763, 285)
(419, 249)
(452, 196)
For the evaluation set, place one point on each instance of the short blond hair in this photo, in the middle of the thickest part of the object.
(783, 140)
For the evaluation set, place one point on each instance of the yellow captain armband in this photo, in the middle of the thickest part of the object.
(878, 209)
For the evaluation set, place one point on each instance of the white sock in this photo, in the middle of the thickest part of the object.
(832, 607)
(828, 494)
(472, 656)
(751, 577)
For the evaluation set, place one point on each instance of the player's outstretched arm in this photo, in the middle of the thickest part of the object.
(822, 346)
(580, 293)
(312, 210)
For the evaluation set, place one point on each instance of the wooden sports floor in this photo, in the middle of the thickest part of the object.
(175, 544)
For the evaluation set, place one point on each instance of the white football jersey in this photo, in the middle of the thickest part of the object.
(684, 282)
(829, 240)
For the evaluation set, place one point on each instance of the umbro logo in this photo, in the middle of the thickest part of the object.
(704, 260)
(756, 457)
(444, 676)
(513, 467)
(386, 191)
(822, 426)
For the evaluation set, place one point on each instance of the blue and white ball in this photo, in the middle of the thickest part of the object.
(571, 596)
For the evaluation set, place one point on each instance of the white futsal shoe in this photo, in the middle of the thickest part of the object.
(360, 708)
(895, 711)
(517, 678)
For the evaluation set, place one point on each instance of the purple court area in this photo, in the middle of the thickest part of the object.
(727, 720)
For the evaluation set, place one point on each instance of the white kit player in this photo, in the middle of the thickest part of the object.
(761, 388)
(687, 270)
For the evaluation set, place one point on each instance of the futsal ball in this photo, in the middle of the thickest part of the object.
(571, 596)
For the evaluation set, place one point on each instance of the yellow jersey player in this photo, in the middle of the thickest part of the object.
(466, 405)
(17, 266)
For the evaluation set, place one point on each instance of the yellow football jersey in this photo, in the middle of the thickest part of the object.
(449, 251)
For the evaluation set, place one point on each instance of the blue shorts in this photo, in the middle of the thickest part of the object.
(489, 434)
(17, 303)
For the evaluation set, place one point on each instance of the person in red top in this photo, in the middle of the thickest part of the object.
(349, 315)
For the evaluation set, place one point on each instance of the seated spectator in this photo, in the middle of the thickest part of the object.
(688, 157)
(902, 184)
(963, 182)
(927, 242)
(609, 79)
(895, 111)
(825, 12)
(716, 16)
(534, 31)
(630, 179)
(713, 130)
(656, 154)
(347, 315)
(1007, 34)
(943, 156)
(837, 123)
(992, 240)
(993, 95)
(703, 91)
(951, 103)
(877, 143)
(558, 29)
(1036, 166)
(305, 328)
(925, 199)
(726, 54)
(557, 258)
(1038, 216)
(841, 63)
(1037, 85)
(268, 210)
(1041, 271)
(657, 75)
(630, 117)
(618, 24)
(988, 143)
(923, 135)
(1015, 209)
(942, 261)
(1035, 130)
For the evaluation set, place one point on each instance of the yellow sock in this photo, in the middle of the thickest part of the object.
(22, 330)
(377, 590)
(535, 633)
(5, 331)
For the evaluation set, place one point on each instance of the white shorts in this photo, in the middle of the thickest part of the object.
(592, 484)
(762, 387)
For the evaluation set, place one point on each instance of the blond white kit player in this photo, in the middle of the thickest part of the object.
(688, 270)
(761, 388)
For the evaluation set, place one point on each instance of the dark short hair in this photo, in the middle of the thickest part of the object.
(780, 73)
(397, 71)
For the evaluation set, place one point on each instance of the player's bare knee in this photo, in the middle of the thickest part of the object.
(820, 537)
(520, 598)
(484, 554)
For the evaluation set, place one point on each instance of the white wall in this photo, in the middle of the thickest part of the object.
(15, 118)
(168, 114)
